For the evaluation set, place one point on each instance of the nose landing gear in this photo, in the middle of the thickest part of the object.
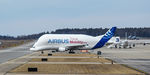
(42, 52)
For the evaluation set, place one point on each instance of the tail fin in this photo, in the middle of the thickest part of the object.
(106, 37)
(110, 33)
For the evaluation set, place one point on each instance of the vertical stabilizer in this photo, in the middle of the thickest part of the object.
(105, 38)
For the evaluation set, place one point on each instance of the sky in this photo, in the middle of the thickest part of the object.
(23, 17)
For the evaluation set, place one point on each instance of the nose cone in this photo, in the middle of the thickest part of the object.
(34, 47)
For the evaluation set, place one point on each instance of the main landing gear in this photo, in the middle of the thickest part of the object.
(99, 52)
(71, 52)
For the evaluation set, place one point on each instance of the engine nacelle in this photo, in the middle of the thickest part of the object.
(61, 49)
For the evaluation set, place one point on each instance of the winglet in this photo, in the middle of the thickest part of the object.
(106, 37)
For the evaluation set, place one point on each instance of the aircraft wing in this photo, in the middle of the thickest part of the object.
(72, 47)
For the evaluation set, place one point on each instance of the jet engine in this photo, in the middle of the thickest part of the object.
(61, 49)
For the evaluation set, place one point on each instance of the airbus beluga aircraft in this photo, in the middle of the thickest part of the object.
(64, 42)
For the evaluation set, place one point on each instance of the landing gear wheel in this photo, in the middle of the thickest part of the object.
(99, 52)
(56, 50)
(71, 52)
(53, 51)
(115, 46)
(133, 45)
(42, 52)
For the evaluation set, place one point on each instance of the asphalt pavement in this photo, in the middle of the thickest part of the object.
(138, 57)
(12, 53)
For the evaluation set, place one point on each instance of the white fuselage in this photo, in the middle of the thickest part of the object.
(55, 41)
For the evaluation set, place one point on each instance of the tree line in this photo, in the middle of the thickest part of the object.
(139, 32)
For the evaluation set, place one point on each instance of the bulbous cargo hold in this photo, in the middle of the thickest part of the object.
(62, 42)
